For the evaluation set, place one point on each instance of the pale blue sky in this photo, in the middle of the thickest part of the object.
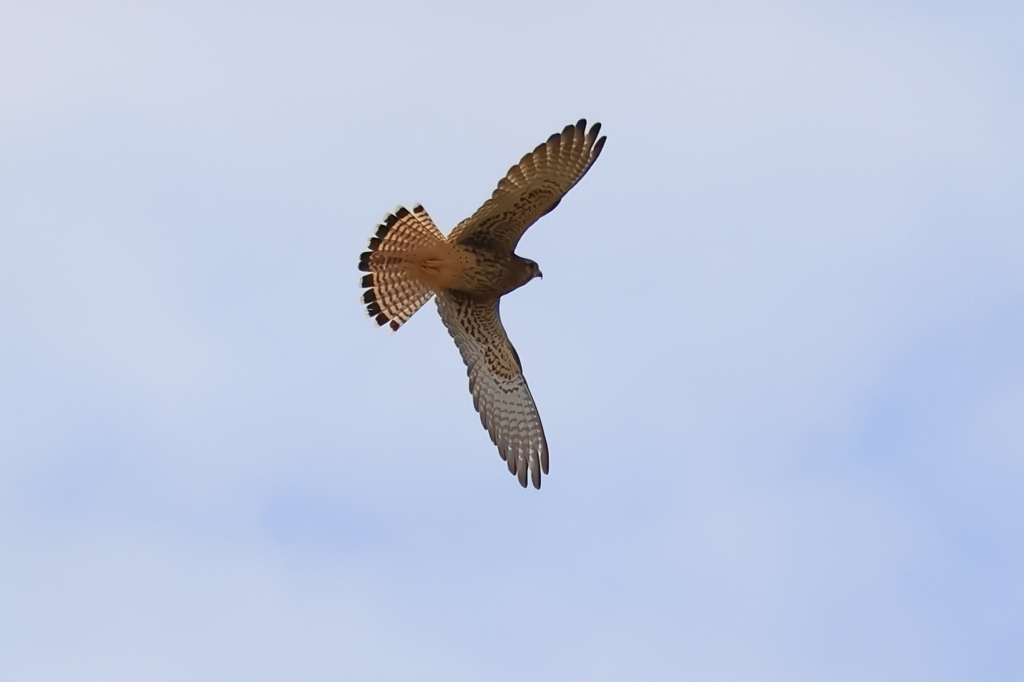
(778, 347)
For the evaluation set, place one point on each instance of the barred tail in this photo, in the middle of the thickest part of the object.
(392, 293)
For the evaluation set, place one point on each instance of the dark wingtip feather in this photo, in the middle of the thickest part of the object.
(367, 281)
(394, 326)
(364, 261)
(373, 309)
(381, 319)
(369, 296)
(594, 130)
(596, 151)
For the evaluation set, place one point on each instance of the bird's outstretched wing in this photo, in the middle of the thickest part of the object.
(532, 188)
(500, 393)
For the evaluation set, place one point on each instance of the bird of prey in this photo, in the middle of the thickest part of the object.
(409, 260)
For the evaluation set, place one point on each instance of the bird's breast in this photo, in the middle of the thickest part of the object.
(485, 274)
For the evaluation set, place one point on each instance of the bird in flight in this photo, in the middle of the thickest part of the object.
(409, 260)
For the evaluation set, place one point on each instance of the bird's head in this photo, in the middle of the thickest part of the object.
(521, 271)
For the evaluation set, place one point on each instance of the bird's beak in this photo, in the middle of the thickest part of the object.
(540, 274)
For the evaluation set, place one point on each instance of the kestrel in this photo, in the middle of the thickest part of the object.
(409, 260)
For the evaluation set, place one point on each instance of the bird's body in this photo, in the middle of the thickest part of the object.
(409, 260)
